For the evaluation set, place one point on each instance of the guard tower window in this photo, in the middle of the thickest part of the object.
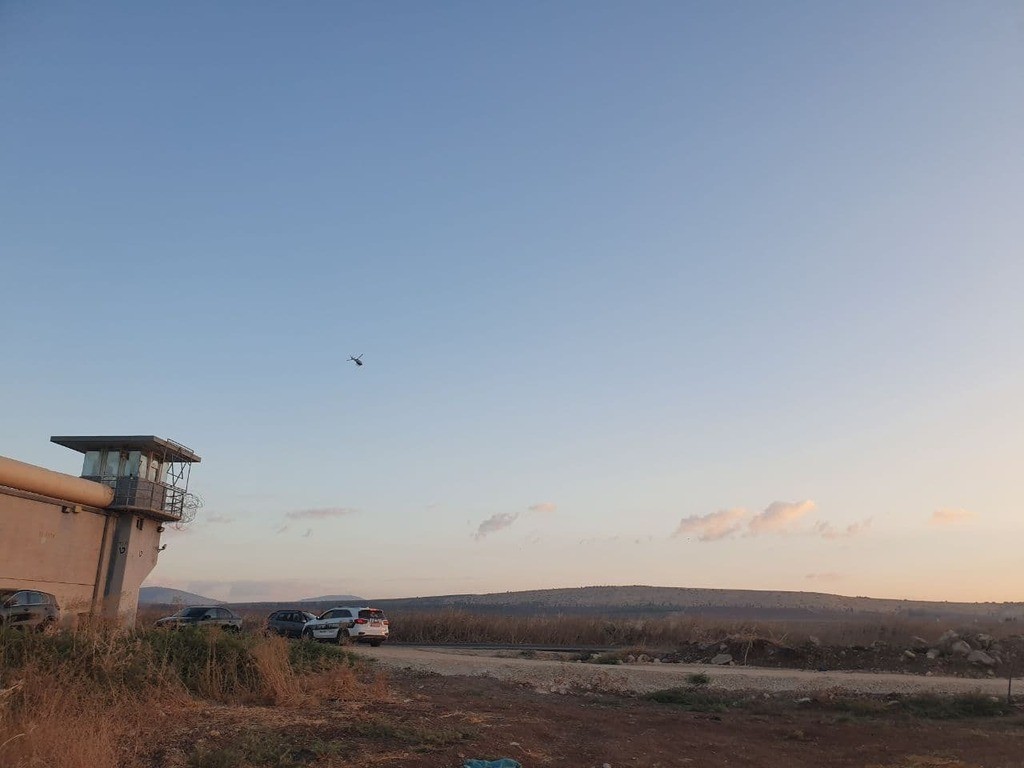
(149, 474)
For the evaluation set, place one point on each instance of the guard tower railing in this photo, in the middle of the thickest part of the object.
(149, 497)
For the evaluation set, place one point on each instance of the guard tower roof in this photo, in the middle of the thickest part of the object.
(167, 449)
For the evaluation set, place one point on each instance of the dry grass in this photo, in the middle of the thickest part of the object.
(91, 698)
(49, 721)
(666, 633)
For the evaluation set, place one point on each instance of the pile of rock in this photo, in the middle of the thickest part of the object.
(985, 651)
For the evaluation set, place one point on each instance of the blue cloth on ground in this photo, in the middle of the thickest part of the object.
(505, 762)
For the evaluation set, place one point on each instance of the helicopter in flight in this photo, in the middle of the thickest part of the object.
(357, 360)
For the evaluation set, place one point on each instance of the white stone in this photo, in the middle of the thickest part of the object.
(980, 657)
(960, 648)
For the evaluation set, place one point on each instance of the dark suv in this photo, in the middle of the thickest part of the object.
(28, 608)
(288, 622)
(203, 616)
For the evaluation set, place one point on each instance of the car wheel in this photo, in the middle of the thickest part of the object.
(307, 634)
(376, 643)
(343, 638)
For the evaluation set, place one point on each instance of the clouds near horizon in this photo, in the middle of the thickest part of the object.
(780, 517)
(952, 516)
(502, 520)
(713, 526)
(828, 531)
(320, 513)
(219, 519)
(246, 590)
(496, 522)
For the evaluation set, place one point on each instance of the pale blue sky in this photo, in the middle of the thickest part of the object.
(635, 262)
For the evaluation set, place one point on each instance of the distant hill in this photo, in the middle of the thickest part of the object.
(333, 599)
(744, 604)
(644, 601)
(168, 596)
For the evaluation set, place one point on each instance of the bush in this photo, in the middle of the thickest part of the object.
(698, 679)
(690, 699)
(311, 656)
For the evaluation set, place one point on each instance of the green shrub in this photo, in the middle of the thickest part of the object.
(311, 656)
(698, 679)
(691, 699)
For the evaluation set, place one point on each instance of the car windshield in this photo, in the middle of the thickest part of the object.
(371, 613)
(308, 616)
(190, 613)
(5, 593)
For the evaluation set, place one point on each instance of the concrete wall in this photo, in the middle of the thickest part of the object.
(92, 560)
(44, 548)
(133, 556)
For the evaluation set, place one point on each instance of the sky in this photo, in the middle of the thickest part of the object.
(673, 293)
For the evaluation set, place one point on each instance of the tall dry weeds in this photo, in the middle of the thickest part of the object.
(93, 698)
(280, 683)
(661, 632)
(51, 719)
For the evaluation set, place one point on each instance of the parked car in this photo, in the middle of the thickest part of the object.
(289, 622)
(346, 625)
(28, 608)
(203, 616)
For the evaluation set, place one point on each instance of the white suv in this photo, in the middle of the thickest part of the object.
(349, 625)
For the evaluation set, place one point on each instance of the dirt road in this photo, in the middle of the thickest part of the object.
(562, 677)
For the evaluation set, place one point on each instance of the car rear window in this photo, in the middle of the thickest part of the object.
(371, 613)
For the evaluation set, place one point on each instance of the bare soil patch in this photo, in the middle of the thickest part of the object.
(434, 721)
(553, 674)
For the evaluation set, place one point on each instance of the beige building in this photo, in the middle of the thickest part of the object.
(92, 540)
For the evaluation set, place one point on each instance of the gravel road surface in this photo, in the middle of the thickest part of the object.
(564, 676)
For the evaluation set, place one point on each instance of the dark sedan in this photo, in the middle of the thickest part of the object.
(288, 623)
(28, 608)
(203, 616)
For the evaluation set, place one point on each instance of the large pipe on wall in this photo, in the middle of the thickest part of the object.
(45, 482)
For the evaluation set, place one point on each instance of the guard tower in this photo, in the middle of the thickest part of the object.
(149, 475)
(149, 479)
